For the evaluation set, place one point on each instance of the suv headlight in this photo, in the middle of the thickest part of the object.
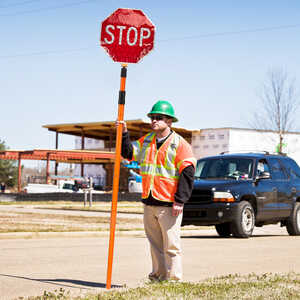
(223, 197)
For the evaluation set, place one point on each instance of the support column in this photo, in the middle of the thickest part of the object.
(109, 168)
(110, 140)
(56, 147)
(19, 173)
(82, 148)
(47, 169)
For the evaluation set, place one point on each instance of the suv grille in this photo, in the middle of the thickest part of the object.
(201, 196)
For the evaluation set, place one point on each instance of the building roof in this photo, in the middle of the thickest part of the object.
(244, 129)
(106, 130)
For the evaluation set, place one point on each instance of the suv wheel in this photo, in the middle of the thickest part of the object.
(223, 230)
(243, 225)
(293, 223)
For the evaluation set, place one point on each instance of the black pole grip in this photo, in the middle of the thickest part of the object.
(124, 72)
(122, 97)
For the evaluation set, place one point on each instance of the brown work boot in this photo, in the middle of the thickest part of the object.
(154, 277)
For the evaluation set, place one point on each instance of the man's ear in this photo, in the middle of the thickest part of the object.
(169, 122)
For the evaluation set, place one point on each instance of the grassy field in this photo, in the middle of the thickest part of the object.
(251, 287)
(12, 220)
(15, 217)
(123, 207)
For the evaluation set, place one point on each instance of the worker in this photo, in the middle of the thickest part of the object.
(167, 166)
(2, 187)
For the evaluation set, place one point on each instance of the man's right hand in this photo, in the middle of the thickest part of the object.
(123, 124)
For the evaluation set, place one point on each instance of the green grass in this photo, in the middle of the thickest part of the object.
(250, 287)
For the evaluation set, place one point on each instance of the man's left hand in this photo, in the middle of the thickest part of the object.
(177, 209)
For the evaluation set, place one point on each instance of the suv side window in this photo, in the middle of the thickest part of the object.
(262, 166)
(292, 168)
(277, 170)
(200, 166)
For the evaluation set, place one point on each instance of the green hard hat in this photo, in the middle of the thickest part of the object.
(164, 108)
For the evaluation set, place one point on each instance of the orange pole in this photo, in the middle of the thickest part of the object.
(116, 176)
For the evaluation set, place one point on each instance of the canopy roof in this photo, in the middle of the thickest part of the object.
(106, 130)
(63, 156)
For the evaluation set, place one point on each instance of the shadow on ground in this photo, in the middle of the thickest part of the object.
(66, 282)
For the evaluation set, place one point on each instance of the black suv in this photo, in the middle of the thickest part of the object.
(235, 192)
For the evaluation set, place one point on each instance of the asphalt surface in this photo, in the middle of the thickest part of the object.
(77, 263)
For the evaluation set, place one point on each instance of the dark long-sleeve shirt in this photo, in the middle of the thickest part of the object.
(186, 178)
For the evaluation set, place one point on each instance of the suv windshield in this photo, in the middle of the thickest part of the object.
(224, 168)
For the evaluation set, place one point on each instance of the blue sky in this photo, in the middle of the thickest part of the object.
(209, 60)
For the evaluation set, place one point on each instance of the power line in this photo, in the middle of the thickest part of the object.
(47, 8)
(233, 32)
(42, 53)
(263, 29)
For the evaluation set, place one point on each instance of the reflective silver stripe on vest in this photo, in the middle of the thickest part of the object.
(139, 151)
(171, 155)
(168, 170)
(136, 150)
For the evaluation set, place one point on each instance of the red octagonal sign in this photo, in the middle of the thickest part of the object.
(127, 35)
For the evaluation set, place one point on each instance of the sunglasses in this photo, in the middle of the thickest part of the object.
(157, 118)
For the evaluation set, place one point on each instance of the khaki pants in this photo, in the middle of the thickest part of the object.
(163, 232)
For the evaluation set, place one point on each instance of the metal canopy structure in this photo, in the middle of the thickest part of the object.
(106, 131)
(62, 156)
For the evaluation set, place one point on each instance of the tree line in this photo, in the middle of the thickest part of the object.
(8, 169)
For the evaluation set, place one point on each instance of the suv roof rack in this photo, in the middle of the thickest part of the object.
(246, 151)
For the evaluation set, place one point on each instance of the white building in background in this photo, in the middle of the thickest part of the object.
(213, 141)
(96, 171)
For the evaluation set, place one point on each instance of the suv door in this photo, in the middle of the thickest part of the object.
(293, 171)
(266, 193)
(281, 180)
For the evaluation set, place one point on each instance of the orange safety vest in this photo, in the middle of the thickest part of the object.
(160, 169)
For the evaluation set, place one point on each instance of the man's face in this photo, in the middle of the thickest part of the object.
(160, 122)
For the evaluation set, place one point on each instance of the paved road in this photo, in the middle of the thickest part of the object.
(78, 265)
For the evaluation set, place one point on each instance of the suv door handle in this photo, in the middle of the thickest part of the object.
(274, 189)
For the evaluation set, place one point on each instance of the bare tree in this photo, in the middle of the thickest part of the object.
(280, 102)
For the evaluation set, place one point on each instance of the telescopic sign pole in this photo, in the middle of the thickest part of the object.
(127, 35)
(115, 192)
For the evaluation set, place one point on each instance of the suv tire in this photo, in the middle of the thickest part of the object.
(223, 229)
(293, 223)
(243, 224)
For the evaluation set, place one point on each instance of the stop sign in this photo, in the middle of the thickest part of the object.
(127, 35)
